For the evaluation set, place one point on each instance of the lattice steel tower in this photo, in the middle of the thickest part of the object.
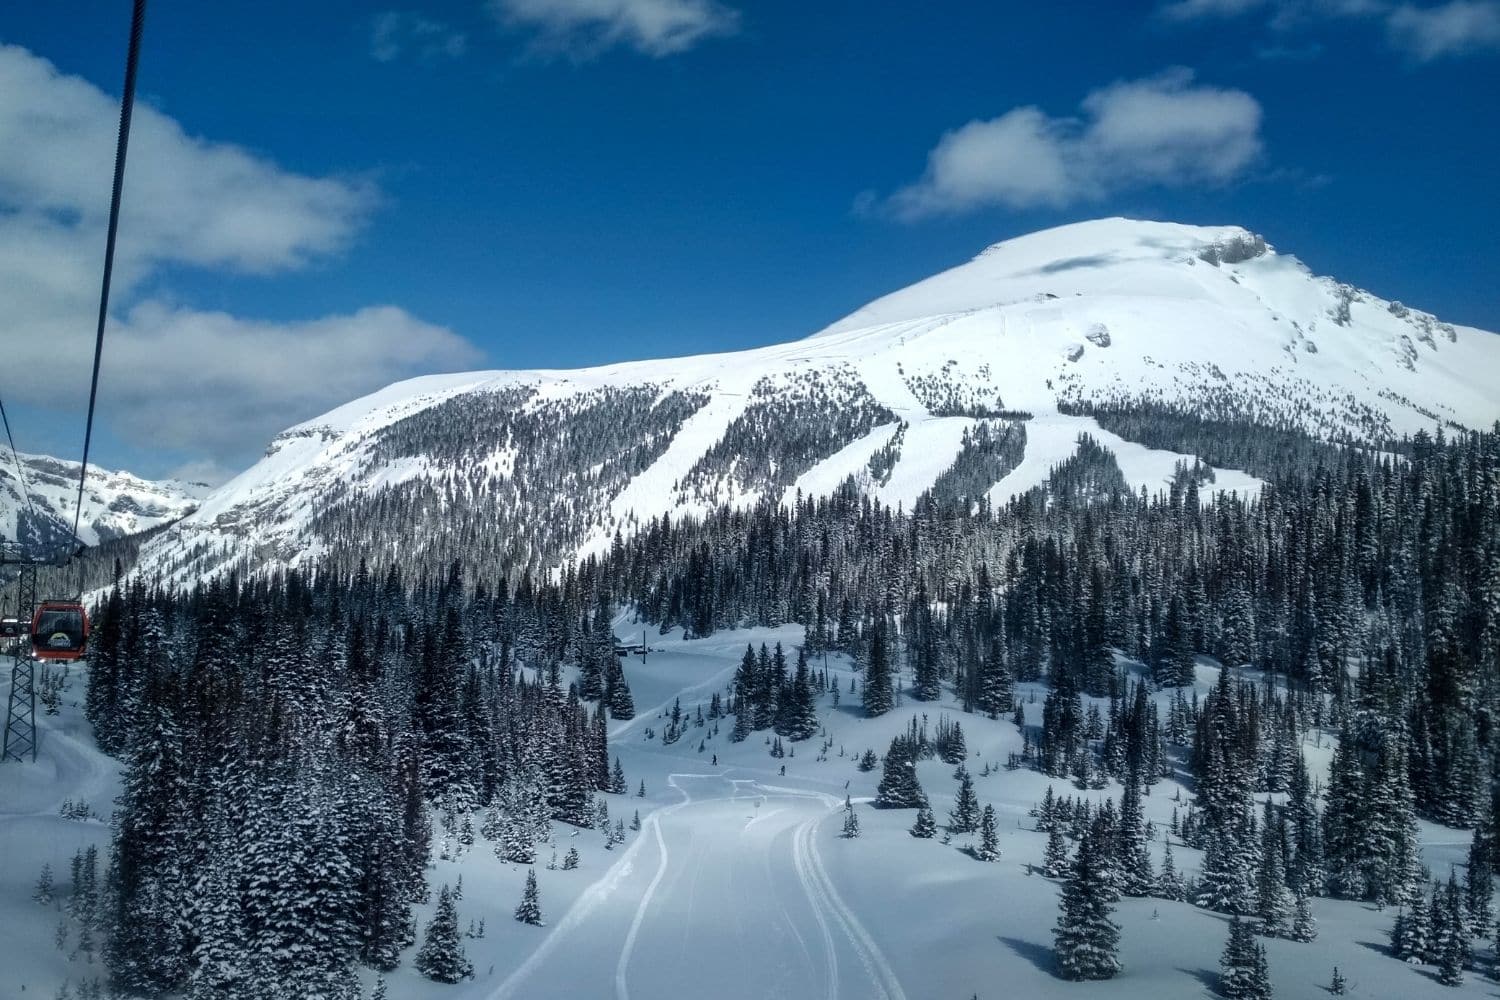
(20, 712)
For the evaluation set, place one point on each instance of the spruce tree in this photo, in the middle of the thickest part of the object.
(851, 822)
(43, 891)
(1242, 968)
(1170, 883)
(964, 817)
(1086, 942)
(925, 827)
(989, 837)
(878, 694)
(899, 787)
(529, 911)
(1055, 862)
(1479, 883)
(1132, 858)
(1304, 925)
(442, 957)
(1273, 901)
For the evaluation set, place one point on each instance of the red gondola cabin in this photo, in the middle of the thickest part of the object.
(59, 631)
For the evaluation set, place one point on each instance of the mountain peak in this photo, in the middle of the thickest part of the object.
(1081, 258)
(1117, 239)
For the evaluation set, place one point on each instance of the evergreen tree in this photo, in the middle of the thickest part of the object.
(1169, 883)
(1304, 925)
(1273, 901)
(529, 911)
(1242, 968)
(851, 822)
(899, 787)
(441, 956)
(1132, 858)
(1055, 862)
(964, 817)
(925, 826)
(878, 695)
(1479, 883)
(1085, 941)
(989, 837)
(43, 891)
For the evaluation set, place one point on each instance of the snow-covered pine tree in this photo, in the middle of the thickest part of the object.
(851, 822)
(1226, 882)
(1304, 925)
(879, 697)
(1132, 862)
(964, 816)
(1479, 882)
(1086, 942)
(1273, 901)
(617, 692)
(1055, 861)
(989, 836)
(1242, 967)
(925, 827)
(529, 910)
(1169, 881)
(43, 891)
(899, 787)
(441, 956)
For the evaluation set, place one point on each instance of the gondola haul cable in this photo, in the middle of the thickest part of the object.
(127, 104)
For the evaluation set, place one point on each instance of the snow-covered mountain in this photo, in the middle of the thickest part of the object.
(972, 382)
(115, 504)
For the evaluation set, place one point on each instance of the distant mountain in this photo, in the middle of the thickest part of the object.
(972, 383)
(115, 504)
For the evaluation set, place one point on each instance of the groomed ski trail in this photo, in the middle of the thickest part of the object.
(782, 838)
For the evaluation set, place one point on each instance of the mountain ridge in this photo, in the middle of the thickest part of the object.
(933, 385)
(37, 510)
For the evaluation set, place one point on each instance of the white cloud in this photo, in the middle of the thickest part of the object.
(174, 377)
(1455, 28)
(1461, 27)
(1019, 159)
(190, 200)
(394, 33)
(1164, 130)
(585, 28)
(186, 379)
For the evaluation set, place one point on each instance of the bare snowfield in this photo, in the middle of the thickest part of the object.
(739, 886)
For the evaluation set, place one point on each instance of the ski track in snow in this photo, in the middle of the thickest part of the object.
(622, 989)
(799, 859)
(593, 897)
(827, 907)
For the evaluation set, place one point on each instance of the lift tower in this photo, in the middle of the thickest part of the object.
(20, 711)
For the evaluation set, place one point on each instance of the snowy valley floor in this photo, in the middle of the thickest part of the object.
(738, 885)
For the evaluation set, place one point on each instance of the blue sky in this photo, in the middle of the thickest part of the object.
(330, 196)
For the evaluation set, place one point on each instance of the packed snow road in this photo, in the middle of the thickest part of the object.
(724, 888)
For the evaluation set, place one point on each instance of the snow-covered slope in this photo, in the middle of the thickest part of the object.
(947, 376)
(115, 504)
